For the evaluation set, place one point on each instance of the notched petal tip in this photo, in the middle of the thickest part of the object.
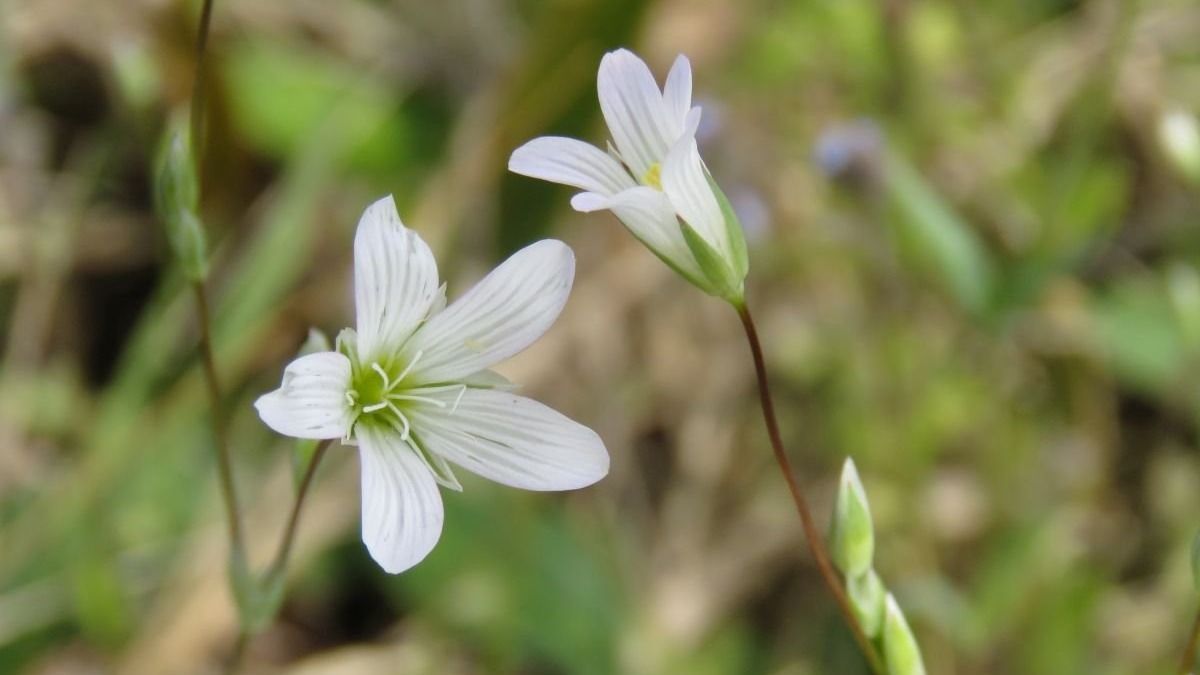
(311, 402)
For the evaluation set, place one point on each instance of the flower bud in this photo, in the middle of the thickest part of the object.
(1180, 140)
(900, 650)
(176, 199)
(852, 533)
(867, 600)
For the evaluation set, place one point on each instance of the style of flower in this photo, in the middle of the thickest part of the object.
(411, 386)
(654, 178)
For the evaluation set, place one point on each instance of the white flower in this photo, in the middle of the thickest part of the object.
(412, 389)
(654, 177)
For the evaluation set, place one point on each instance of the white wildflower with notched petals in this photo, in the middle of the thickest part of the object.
(654, 178)
(411, 386)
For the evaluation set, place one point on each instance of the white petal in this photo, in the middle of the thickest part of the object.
(686, 185)
(650, 217)
(570, 162)
(311, 403)
(510, 439)
(395, 280)
(677, 94)
(633, 109)
(401, 507)
(503, 314)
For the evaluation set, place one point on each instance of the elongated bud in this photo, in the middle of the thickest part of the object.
(1196, 562)
(852, 533)
(867, 596)
(176, 198)
(900, 650)
(1179, 136)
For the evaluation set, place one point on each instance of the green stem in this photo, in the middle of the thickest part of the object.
(815, 542)
(1187, 664)
(285, 545)
(220, 438)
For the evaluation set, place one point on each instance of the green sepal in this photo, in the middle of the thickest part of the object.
(721, 277)
(697, 281)
(867, 595)
(900, 650)
(257, 600)
(852, 534)
(733, 230)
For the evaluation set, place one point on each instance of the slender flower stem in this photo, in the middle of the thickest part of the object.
(234, 665)
(199, 88)
(289, 535)
(1187, 663)
(220, 438)
(815, 543)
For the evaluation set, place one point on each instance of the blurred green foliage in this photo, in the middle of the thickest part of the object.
(975, 269)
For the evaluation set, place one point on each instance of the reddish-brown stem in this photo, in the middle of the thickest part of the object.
(1187, 664)
(220, 437)
(815, 542)
(289, 535)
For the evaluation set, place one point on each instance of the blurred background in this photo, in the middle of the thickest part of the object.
(973, 242)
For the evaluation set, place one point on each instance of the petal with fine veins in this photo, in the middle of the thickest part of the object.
(649, 216)
(633, 109)
(503, 314)
(511, 439)
(677, 94)
(395, 280)
(311, 403)
(686, 185)
(401, 507)
(570, 162)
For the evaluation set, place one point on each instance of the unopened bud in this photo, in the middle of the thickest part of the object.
(867, 596)
(1179, 137)
(900, 650)
(852, 533)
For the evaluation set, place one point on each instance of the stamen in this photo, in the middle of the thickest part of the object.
(416, 357)
(387, 384)
(458, 399)
(373, 408)
(350, 399)
(422, 399)
(403, 418)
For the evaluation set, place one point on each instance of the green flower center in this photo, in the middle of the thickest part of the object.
(379, 395)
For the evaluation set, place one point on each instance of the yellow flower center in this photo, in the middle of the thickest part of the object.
(653, 176)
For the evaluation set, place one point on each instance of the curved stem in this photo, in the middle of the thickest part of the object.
(220, 437)
(199, 88)
(289, 534)
(815, 543)
(1187, 663)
